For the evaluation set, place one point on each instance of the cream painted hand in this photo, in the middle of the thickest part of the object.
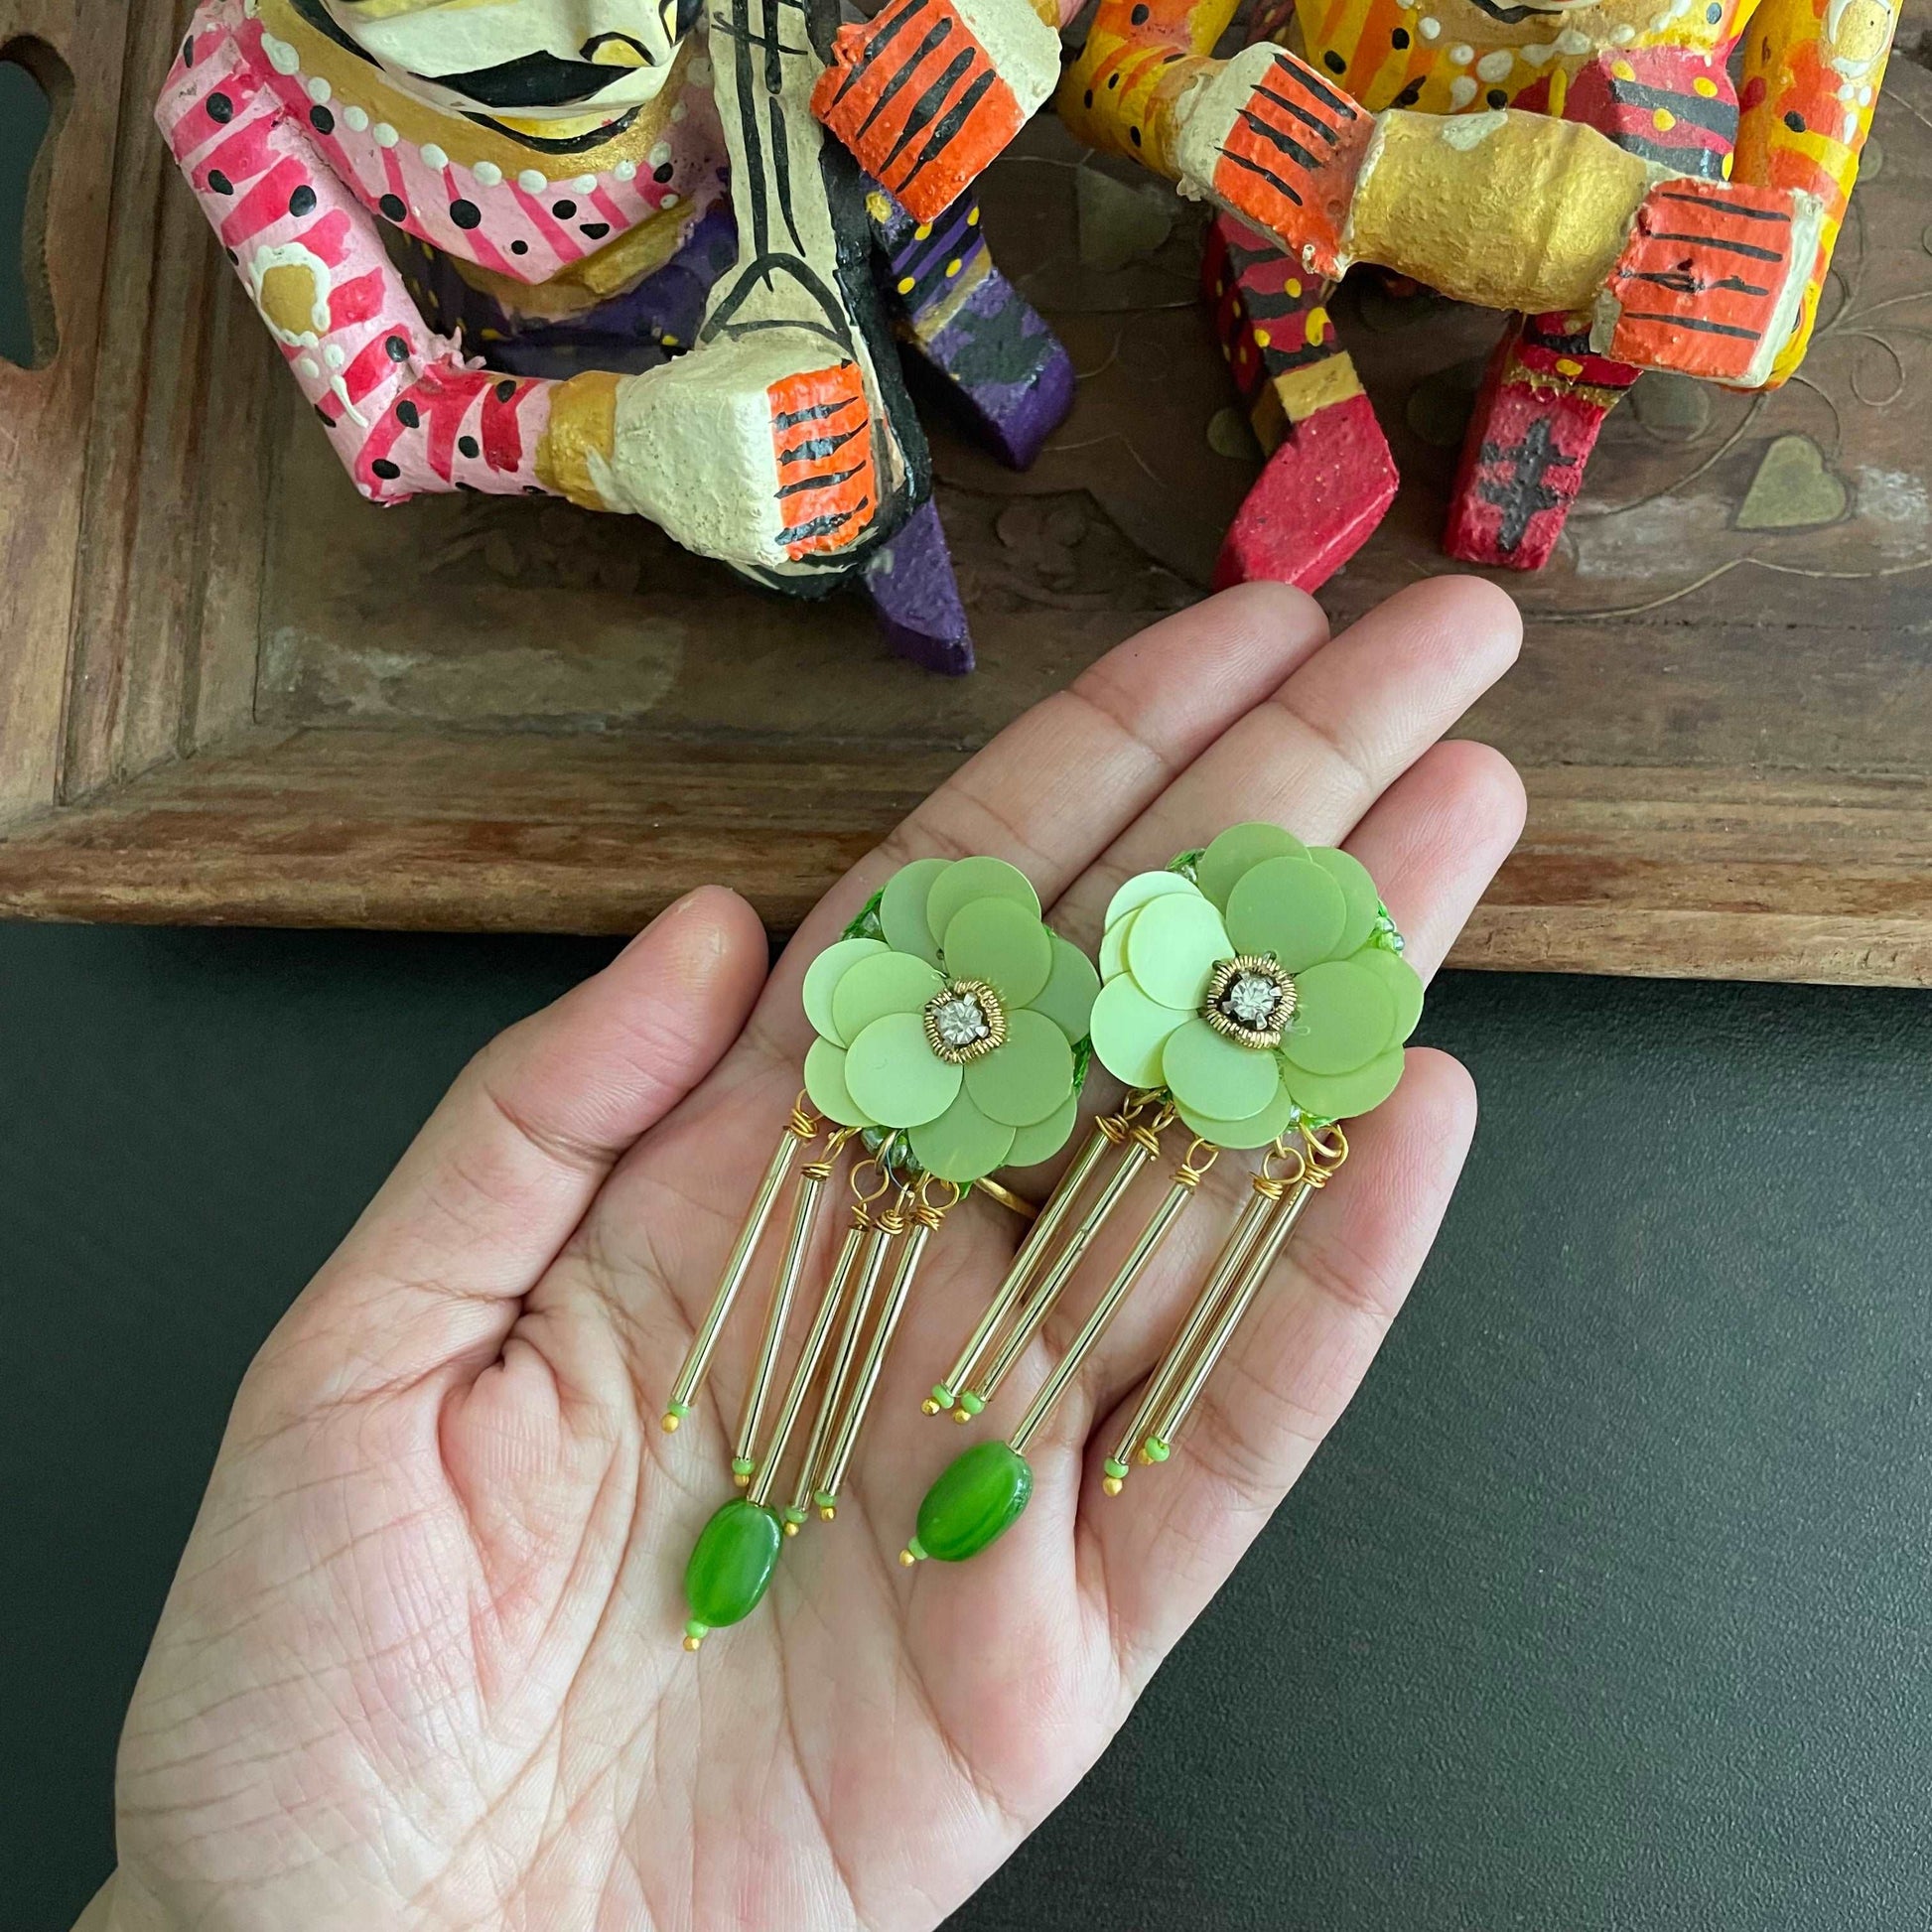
(420, 1667)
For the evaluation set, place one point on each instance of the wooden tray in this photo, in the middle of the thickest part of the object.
(231, 691)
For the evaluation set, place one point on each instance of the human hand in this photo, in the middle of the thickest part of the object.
(421, 1664)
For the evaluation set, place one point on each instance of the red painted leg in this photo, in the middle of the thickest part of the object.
(1330, 478)
(1542, 402)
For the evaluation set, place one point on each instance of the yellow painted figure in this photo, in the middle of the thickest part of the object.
(1588, 162)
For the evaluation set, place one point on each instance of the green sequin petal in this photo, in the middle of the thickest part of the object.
(1256, 1130)
(1174, 947)
(995, 940)
(902, 909)
(1068, 997)
(966, 880)
(1289, 907)
(1343, 1018)
(826, 1089)
(888, 982)
(1343, 1096)
(1358, 892)
(1217, 1076)
(1046, 1138)
(1130, 1031)
(1238, 850)
(1113, 945)
(892, 1073)
(1145, 886)
(962, 1144)
(822, 976)
(1404, 984)
(1028, 1077)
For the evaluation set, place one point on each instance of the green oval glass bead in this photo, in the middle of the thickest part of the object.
(731, 1563)
(976, 1501)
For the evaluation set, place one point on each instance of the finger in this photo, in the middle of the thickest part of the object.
(1434, 840)
(501, 1174)
(1160, 1550)
(1055, 788)
(1323, 746)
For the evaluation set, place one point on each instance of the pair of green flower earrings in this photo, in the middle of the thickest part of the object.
(1251, 996)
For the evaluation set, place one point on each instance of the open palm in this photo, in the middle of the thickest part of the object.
(421, 1664)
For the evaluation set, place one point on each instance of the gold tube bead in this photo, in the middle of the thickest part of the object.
(777, 1314)
(872, 1265)
(1142, 1144)
(805, 1370)
(1173, 1363)
(1187, 1178)
(1033, 1250)
(801, 1131)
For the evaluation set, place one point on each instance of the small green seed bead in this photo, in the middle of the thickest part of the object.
(942, 1395)
(1112, 1468)
(742, 1465)
(794, 1515)
(821, 1499)
(971, 1403)
(678, 1409)
(1157, 1450)
(976, 1500)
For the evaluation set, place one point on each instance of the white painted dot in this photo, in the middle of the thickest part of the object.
(531, 181)
(1463, 53)
(385, 135)
(434, 157)
(1462, 90)
(679, 111)
(660, 154)
(320, 90)
(669, 200)
(1492, 66)
(1570, 41)
(1624, 36)
(308, 368)
(626, 170)
(355, 120)
(585, 183)
(488, 174)
(281, 56)
(1430, 28)
(333, 357)
(1865, 96)
(1536, 51)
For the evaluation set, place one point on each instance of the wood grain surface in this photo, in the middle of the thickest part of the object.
(261, 701)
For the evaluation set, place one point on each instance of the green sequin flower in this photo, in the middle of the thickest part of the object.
(951, 1012)
(1262, 985)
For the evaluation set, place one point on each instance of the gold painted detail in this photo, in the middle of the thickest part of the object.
(964, 1021)
(1250, 1001)
(1527, 214)
(583, 423)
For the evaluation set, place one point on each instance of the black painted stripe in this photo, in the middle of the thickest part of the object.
(890, 92)
(1286, 143)
(818, 446)
(814, 413)
(1267, 175)
(823, 526)
(1302, 115)
(950, 122)
(884, 34)
(1683, 284)
(821, 483)
(1749, 249)
(1698, 324)
(1313, 83)
(930, 103)
(1732, 209)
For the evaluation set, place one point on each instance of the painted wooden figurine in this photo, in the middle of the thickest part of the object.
(1587, 164)
(604, 249)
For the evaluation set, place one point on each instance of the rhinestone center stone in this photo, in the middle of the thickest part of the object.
(965, 1020)
(1250, 1001)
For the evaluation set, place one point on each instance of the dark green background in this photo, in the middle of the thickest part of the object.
(1605, 1609)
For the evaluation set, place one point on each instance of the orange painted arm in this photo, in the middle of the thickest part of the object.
(1811, 77)
(1140, 56)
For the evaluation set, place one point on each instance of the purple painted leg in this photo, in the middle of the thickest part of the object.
(972, 327)
(916, 597)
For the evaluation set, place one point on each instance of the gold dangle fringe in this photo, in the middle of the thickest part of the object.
(926, 1217)
(777, 1314)
(801, 1130)
(1194, 1165)
(1253, 1247)
(971, 1387)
